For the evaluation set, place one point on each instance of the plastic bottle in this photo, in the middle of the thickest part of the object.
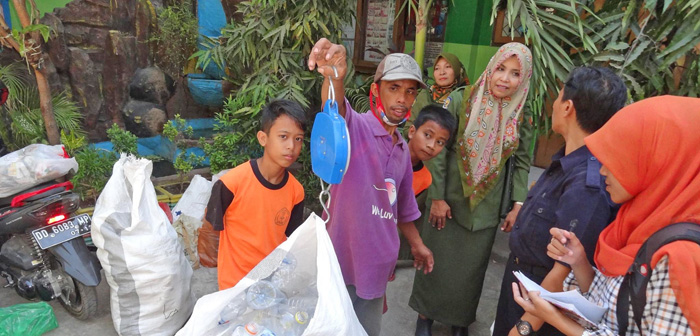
(291, 283)
(233, 310)
(305, 303)
(263, 295)
(252, 328)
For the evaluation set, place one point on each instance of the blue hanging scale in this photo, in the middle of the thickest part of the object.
(330, 146)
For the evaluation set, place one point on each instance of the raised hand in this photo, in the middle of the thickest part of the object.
(566, 247)
(325, 55)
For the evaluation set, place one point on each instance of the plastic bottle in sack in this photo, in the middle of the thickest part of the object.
(305, 303)
(233, 310)
(294, 322)
(263, 295)
(252, 328)
(288, 279)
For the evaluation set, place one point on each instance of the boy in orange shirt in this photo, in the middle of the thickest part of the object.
(428, 135)
(258, 204)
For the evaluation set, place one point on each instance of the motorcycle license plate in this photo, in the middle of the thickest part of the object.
(58, 233)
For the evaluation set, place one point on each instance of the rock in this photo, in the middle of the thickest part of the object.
(145, 24)
(144, 119)
(182, 103)
(118, 70)
(87, 91)
(85, 36)
(95, 13)
(152, 85)
(56, 45)
(52, 75)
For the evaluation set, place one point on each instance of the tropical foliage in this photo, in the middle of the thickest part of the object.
(96, 163)
(266, 50)
(26, 40)
(22, 111)
(265, 54)
(652, 44)
(177, 131)
(176, 37)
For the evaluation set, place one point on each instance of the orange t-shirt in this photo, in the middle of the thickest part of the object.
(421, 178)
(256, 220)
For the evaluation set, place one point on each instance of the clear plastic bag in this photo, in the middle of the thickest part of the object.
(33, 165)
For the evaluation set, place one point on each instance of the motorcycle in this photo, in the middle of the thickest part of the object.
(43, 254)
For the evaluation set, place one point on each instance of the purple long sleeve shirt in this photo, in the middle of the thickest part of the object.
(375, 195)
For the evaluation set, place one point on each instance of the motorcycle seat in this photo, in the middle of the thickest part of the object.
(5, 201)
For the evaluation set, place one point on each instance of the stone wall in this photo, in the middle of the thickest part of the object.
(97, 47)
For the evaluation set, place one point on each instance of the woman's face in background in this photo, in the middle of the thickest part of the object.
(506, 78)
(444, 73)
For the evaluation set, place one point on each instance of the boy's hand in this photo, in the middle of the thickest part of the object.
(422, 258)
(566, 247)
(439, 212)
(324, 55)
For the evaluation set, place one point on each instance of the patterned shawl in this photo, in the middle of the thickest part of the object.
(490, 138)
(440, 93)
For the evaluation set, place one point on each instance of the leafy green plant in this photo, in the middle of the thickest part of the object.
(357, 91)
(26, 40)
(176, 37)
(266, 52)
(122, 140)
(652, 44)
(72, 142)
(236, 126)
(94, 165)
(177, 131)
(27, 124)
(95, 168)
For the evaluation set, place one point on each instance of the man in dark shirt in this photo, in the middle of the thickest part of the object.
(570, 194)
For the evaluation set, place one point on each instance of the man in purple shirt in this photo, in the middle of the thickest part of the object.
(376, 193)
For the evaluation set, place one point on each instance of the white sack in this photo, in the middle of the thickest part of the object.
(313, 250)
(148, 275)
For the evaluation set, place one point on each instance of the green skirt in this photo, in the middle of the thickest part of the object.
(450, 293)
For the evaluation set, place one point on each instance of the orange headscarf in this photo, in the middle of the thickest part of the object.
(653, 149)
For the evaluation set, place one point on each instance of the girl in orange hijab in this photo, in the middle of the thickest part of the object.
(650, 153)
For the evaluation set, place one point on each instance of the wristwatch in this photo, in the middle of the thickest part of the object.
(524, 327)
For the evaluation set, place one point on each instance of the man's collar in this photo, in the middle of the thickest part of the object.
(573, 159)
(379, 131)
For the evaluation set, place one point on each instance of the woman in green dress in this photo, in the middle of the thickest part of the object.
(465, 197)
(450, 81)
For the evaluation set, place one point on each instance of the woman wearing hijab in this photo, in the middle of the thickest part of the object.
(649, 153)
(450, 81)
(468, 184)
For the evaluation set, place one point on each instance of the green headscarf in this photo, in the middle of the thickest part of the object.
(440, 94)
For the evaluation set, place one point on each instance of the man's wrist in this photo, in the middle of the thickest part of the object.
(524, 328)
(518, 203)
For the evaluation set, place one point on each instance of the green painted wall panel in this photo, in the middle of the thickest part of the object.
(468, 22)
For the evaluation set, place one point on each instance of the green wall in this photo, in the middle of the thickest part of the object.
(468, 35)
(468, 22)
(44, 6)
